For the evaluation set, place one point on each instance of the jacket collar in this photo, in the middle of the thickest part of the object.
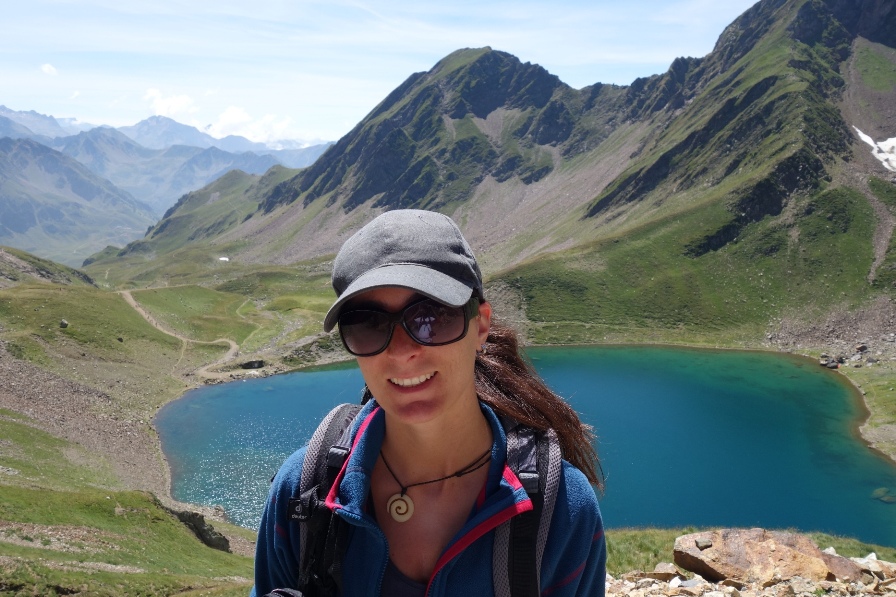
(349, 492)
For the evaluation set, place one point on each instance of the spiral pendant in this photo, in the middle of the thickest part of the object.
(401, 507)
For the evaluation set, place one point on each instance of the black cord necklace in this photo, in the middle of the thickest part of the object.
(401, 506)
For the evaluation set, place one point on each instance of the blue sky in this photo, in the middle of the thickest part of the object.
(308, 69)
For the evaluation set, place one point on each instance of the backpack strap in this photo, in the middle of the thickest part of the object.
(520, 542)
(322, 536)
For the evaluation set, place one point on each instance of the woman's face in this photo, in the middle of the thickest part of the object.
(417, 383)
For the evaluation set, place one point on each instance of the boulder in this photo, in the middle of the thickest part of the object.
(203, 530)
(753, 556)
(843, 569)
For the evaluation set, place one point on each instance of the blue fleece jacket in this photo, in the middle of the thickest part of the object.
(574, 561)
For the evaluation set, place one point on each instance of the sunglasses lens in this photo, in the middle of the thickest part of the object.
(430, 322)
(365, 332)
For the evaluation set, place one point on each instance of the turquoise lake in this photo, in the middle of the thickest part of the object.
(686, 438)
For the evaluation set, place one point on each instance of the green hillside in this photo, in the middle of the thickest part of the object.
(187, 244)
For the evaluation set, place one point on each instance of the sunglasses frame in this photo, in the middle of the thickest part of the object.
(469, 311)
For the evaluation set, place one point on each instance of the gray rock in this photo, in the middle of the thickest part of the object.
(203, 530)
(694, 582)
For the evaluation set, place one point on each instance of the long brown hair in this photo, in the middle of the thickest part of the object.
(509, 385)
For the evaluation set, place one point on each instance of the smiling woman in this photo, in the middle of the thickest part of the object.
(457, 448)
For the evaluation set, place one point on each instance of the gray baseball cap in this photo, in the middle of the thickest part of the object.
(416, 249)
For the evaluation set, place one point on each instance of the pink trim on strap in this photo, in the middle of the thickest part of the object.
(331, 496)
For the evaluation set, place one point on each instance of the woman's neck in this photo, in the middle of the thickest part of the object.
(438, 447)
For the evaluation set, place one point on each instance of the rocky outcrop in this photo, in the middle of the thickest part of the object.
(202, 529)
(757, 556)
(757, 562)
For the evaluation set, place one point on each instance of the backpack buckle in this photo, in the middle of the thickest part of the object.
(530, 482)
(335, 459)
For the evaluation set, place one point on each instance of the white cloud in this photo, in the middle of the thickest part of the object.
(49, 69)
(170, 106)
(75, 94)
(235, 120)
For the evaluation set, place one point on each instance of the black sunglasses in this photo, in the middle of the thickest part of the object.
(366, 332)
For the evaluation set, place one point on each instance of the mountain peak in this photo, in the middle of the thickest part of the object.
(160, 132)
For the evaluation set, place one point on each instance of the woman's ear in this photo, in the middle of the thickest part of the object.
(484, 321)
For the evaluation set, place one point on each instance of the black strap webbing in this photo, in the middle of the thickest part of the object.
(320, 573)
(522, 562)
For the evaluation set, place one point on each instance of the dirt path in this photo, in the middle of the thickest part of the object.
(203, 372)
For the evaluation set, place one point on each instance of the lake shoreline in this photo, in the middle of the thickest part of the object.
(658, 365)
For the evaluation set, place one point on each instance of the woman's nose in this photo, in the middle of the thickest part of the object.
(401, 344)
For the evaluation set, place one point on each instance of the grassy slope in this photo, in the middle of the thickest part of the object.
(188, 251)
(644, 287)
(62, 531)
(31, 315)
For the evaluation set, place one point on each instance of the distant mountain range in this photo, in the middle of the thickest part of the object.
(152, 163)
(53, 206)
(616, 199)
(156, 176)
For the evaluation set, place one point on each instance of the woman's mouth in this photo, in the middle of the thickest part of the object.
(410, 382)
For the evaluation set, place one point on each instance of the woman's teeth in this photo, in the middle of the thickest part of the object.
(411, 381)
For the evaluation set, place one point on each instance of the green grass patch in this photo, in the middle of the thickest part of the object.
(105, 543)
(852, 548)
(96, 320)
(877, 71)
(885, 277)
(61, 534)
(883, 190)
(640, 549)
(198, 313)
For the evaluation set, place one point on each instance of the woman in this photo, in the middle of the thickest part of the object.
(426, 487)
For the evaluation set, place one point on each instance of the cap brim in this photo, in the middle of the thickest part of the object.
(418, 278)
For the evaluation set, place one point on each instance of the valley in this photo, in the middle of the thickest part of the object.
(729, 202)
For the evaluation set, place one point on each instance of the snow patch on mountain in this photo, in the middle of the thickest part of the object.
(885, 151)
